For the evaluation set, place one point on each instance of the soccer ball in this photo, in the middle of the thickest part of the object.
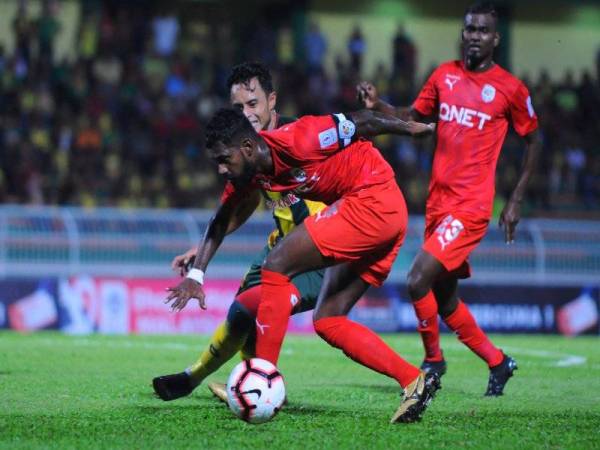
(255, 390)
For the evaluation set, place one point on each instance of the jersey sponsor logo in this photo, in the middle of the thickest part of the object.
(530, 109)
(463, 116)
(346, 129)
(328, 138)
(308, 186)
(451, 80)
(284, 202)
(488, 93)
(298, 174)
(448, 230)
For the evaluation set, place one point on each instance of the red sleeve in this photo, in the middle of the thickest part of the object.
(523, 117)
(327, 134)
(234, 195)
(427, 101)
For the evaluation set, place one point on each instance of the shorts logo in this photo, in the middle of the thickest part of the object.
(448, 230)
(347, 129)
(293, 299)
(328, 138)
(488, 93)
(326, 213)
(298, 174)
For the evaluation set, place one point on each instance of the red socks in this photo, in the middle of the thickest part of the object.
(365, 347)
(277, 296)
(463, 324)
(427, 311)
(250, 298)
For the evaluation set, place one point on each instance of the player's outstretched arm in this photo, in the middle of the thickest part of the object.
(511, 214)
(228, 218)
(373, 123)
(368, 97)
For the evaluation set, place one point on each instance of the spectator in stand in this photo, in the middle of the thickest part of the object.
(123, 87)
(165, 31)
(23, 29)
(48, 28)
(315, 48)
(357, 48)
(404, 55)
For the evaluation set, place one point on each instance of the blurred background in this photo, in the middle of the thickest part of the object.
(104, 176)
(103, 103)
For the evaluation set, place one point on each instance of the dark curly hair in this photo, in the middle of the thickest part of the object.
(244, 72)
(482, 7)
(226, 125)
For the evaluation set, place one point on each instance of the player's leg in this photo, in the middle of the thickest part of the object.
(294, 254)
(341, 290)
(228, 338)
(458, 318)
(425, 270)
(354, 228)
(451, 242)
(307, 284)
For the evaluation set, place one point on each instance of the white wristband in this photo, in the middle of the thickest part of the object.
(196, 275)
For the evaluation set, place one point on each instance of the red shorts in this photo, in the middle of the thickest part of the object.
(365, 228)
(450, 238)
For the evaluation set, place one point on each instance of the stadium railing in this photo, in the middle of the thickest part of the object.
(65, 241)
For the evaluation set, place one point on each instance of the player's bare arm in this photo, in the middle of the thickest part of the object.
(373, 123)
(228, 218)
(369, 98)
(511, 213)
(184, 262)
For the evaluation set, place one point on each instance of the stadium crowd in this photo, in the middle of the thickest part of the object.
(121, 123)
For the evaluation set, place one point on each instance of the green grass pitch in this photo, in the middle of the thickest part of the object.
(83, 392)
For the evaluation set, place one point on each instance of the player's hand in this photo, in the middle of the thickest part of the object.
(509, 218)
(419, 129)
(180, 295)
(183, 263)
(367, 94)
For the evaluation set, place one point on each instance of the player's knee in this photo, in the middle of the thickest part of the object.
(239, 319)
(322, 327)
(275, 261)
(447, 307)
(325, 311)
(329, 329)
(417, 284)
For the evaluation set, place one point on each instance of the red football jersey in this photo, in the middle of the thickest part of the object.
(474, 109)
(318, 158)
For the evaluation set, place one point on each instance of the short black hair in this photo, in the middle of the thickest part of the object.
(482, 8)
(244, 72)
(226, 125)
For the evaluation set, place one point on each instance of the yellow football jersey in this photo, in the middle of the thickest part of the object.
(289, 210)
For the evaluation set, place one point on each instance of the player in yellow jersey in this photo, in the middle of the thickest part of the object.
(251, 90)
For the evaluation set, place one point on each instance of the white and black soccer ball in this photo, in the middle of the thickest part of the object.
(255, 390)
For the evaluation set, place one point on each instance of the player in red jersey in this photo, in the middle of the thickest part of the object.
(474, 100)
(357, 236)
